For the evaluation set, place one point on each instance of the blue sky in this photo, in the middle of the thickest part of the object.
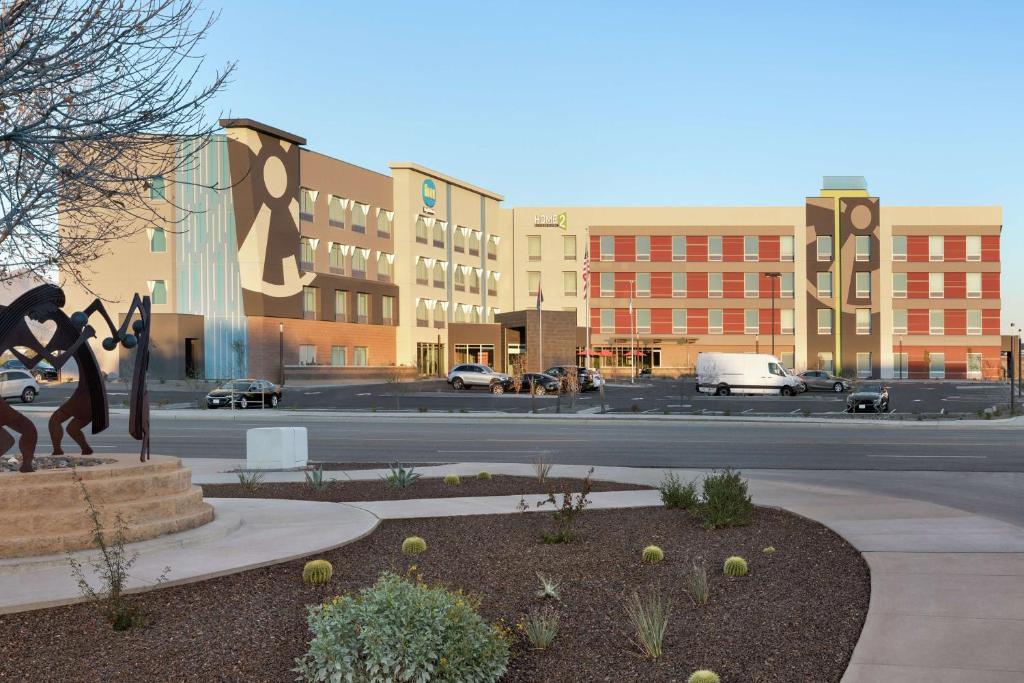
(681, 103)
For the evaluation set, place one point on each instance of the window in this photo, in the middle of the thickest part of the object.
(533, 247)
(492, 283)
(474, 280)
(492, 248)
(306, 253)
(383, 224)
(307, 354)
(607, 245)
(825, 361)
(422, 272)
(307, 199)
(643, 248)
(973, 321)
(974, 247)
(751, 248)
(607, 320)
(863, 248)
(824, 245)
(157, 188)
(936, 366)
(751, 321)
(936, 285)
(786, 290)
(474, 242)
(974, 365)
(936, 321)
(158, 295)
(439, 274)
(678, 321)
(336, 211)
(787, 358)
(643, 284)
(439, 315)
(359, 262)
(362, 307)
(786, 252)
(383, 267)
(359, 217)
(422, 315)
(863, 365)
(863, 321)
(678, 248)
(421, 231)
(776, 369)
(973, 285)
(714, 248)
(361, 357)
(607, 285)
(459, 278)
(751, 285)
(341, 305)
(309, 303)
(643, 320)
(338, 356)
(438, 234)
(900, 365)
(533, 282)
(714, 321)
(158, 241)
(459, 241)
(387, 308)
(936, 248)
(787, 319)
(824, 321)
(899, 321)
(899, 247)
(899, 285)
(569, 282)
(569, 247)
(715, 285)
(863, 285)
(678, 284)
(825, 285)
(336, 259)
(460, 313)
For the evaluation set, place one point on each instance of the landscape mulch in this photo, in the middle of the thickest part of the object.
(359, 491)
(795, 617)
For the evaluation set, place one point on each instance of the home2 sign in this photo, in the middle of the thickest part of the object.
(556, 220)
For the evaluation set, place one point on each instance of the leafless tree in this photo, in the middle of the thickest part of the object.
(95, 97)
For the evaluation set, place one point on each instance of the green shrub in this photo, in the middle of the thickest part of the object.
(725, 501)
(250, 481)
(540, 627)
(770, 550)
(399, 478)
(315, 479)
(653, 554)
(484, 476)
(735, 566)
(649, 616)
(677, 495)
(703, 676)
(414, 545)
(401, 631)
(697, 583)
(452, 480)
(317, 572)
(549, 588)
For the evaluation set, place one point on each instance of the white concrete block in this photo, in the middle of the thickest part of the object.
(276, 448)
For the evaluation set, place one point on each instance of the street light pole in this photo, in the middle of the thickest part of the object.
(280, 352)
(774, 276)
(901, 359)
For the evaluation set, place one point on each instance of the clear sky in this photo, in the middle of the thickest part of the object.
(674, 103)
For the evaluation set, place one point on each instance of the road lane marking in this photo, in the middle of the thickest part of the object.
(494, 451)
(365, 394)
(974, 457)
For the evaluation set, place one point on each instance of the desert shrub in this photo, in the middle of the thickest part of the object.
(540, 627)
(677, 495)
(770, 550)
(414, 545)
(735, 566)
(541, 468)
(397, 630)
(452, 480)
(250, 481)
(566, 512)
(399, 477)
(549, 588)
(635, 407)
(697, 583)
(703, 676)
(649, 616)
(315, 479)
(652, 554)
(725, 501)
(484, 476)
(317, 572)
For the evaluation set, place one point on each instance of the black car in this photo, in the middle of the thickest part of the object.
(245, 393)
(541, 382)
(589, 379)
(41, 371)
(868, 398)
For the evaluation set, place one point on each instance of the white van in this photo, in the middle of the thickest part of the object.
(744, 373)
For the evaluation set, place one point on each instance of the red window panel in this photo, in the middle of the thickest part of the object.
(696, 321)
(623, 321)
(732, 248)
(955, 248)
(765, 284)
(661, 321)
(625, 248)
(696, 288)
(769, 247)
(732, 285)
(990, 321)
(732, 321)
(956, 283)
(696, 249)
(595, 319)
(917, 285)
(661, 285)
(595, 247)
(917, 248)
(765, 321)
(624, 284)
(956, 322)
(595, 285)
(990, 248)
(990, 285)
(661, 248)
(917, 321)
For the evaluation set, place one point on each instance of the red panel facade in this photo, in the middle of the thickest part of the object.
(595, 248)
(990, 248)
(661, 321)
(661, 285)
(917, 321)
(955, 284)
(623, 283)
(661, 247)
(732, 285)
(732, 248)
(625, 248)
(917, 285)
(990, 321)
(769, 248)
(623, 321)
(955, 248)
(696, 287)
(697, 321)
(956, 321)
(917, 248)
(697, 249)
(732, 321)
(990, 285)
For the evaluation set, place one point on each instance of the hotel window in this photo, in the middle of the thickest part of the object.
(936, 366)
(824, 285)
(751, 248)
(568, 247)
(383, 267)
(359, 217)
(306, 253)
(438, 235)
(459, 278)
(786, 291)
(643, 248)
(307, 199)
(678, 321)
(975, 365)
(678, 284)
(714, 248)
(607, 245)
(714, 321)
(863, 248)
(422, 272)
(824, 246)
(751, 321)
(307, 354)
(158, 241)
(492, 283)
(973, 321)
(899, 247)
(359, 262)
(335, 211)
(863, 365)
(899, 321)
(361, 356)
(383, 224)
(751, 285)
(643, 320)
(936, 248)
(569, 282)
(973, 285)
(974, 247)
(532, 282)
(460, 313)
(900, 364)
(309, 303)
(422, 316)
(421, 231)
(607, 284)
(474, 314)
(643, 284)
(338, 354)
(863, 285)
(439, 274)
(936, 321)
(936, 285)
(439, 316)
(533, 247)
(824, 321)
(715, 285)
(899, 285)
(787, 358)
(786, 251)
(362, 307)
(863, 321)
(459, 240)
(474, 242)
(157, 188)
(787, 320)
(492, 248)
(607, 320)
(474, 280)
(678, 248)
(336, 259)
(825, 361)
(340, 305)
(159, 293)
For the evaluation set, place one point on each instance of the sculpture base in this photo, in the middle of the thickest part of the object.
(45, 512)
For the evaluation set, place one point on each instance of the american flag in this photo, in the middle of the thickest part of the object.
(586, 273)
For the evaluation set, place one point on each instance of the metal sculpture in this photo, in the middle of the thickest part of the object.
(88, 403)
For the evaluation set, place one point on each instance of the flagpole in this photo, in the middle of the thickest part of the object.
(540, 328)
(586, 296)
(632, 334)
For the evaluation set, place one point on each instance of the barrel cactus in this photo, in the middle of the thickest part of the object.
(484, 476)
(414, 545)
(317, 572)
(452, 479)
(770, 550)
(653, 554)
(703, 676)
(735, 566)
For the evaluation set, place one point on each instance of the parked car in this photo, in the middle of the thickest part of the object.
(870, 397)
(823, 380)
(745, 373)
(469, 375)
(589, 379)
(541, 382)
(41, 371)
(18, 384)
(245, 393)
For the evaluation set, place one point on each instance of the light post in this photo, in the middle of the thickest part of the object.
(632, 334)
(280, 351)
(774, 276)
(757, 343)
(901, 359)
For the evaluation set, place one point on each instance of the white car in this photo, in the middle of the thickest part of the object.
(469, 375)
(18, 384)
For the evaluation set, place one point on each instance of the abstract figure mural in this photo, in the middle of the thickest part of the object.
(88, 403)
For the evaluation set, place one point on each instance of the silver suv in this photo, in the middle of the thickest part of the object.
(469, 375)
(18, 384)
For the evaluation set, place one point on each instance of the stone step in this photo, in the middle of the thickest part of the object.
(49, 495)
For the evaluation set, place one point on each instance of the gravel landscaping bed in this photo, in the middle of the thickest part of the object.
(795, 617)
(358, 491)
(52, 462)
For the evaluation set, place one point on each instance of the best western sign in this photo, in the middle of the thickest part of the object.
(554, 220)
